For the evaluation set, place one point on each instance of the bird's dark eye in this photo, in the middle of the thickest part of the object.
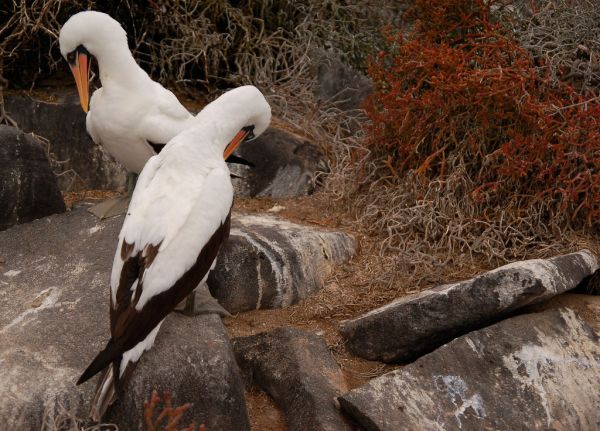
(250, 131)
(82, 50)
(71, 57)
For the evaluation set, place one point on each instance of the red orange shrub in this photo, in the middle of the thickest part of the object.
(460, 90)
(168, 417)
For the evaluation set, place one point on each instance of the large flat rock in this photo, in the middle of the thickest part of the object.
(531, 372)
(297, 370)
(272, 263)
(417, 324)
(28, 187)
(54, 319)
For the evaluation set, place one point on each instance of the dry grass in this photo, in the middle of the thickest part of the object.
(62, 419)
(562, 36)
(426, 226)
(423, 228)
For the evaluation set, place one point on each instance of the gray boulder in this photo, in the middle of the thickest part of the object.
(297, 370)
(272, 263)
(413, 325)
(532, 372)
(28, 187)
(54, 280)
(285, 165)
(62, 122)
(194, 361)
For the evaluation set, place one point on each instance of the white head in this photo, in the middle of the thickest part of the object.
(95, 31)
(239, 115)
(90, 33)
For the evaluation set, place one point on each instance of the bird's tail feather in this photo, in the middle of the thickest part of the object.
(106, 393)
(110, 385)
(100, 362)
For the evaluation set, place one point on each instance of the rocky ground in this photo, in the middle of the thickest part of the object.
(314, 340)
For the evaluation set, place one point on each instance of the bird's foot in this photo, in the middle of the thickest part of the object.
(201, 302)
(110, 207)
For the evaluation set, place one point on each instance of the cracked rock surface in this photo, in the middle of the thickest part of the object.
(532, 372)
(28, 187)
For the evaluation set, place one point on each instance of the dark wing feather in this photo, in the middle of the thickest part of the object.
(130, 326)
(133, 326)
(105, 357)
(239, 161)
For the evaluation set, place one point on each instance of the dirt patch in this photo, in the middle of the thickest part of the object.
(264, 413)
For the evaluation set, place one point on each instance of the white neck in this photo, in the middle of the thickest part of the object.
(118, 68)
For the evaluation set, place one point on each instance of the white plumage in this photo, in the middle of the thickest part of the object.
(131, 110)
(178, 217)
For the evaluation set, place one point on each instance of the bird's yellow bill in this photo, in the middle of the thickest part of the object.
(237, 140)
(81, 73)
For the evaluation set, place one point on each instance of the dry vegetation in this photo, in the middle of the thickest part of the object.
(562, 37)
(422, 216)
(61, 418)
(475, 152)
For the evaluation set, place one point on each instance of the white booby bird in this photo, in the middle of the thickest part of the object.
(130, 112)
(131, 115)
(177, 219)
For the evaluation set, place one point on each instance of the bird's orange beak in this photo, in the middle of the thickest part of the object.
(240, 137)
(81, 73)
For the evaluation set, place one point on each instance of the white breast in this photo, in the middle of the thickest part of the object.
(123, 122)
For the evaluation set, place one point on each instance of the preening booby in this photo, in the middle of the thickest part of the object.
(177, 219)
(131, 115)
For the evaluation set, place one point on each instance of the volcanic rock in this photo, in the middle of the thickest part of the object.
(414, 325)
(271, 263)
(28, 187)
(531, 372)
(297, 370)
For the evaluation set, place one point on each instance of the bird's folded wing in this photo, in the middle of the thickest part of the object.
(163, 253)
(166, 118)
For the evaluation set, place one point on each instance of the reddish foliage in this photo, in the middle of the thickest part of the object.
(460, 90)
(169, 414)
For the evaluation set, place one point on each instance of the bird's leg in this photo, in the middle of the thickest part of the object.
(190, 302)
(200, 301)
